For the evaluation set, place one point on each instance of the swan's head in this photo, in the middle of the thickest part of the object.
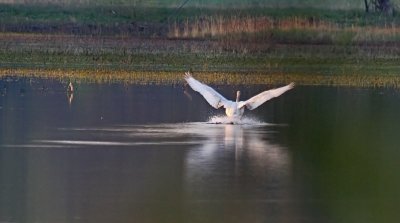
(237, 96)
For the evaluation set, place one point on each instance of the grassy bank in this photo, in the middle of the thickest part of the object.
(117, 19)
(231, 78)
(309, 46)
(256, 24)
(132, 59)
(126, 53)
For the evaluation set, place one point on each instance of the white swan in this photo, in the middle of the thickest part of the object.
(233, 109)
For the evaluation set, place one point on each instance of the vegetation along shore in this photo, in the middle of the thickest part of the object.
(140, 42)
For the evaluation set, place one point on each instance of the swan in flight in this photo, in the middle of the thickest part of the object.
(233, 109)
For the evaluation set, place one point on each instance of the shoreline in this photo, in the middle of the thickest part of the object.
(217, 78)
(119, 45)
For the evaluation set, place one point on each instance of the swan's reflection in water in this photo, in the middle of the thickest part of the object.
(238, 174)
(201, 172)
(239, 152)
(249, 141)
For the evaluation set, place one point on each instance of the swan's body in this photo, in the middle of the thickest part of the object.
(233, 109)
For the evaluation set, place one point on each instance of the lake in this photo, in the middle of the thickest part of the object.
(152, 153)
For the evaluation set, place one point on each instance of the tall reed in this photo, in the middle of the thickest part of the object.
(235, 26)
(213, 26)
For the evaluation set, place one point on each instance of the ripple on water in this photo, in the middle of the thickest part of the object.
(235, 121)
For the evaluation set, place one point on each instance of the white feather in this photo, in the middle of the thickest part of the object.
(259, 99)
(212, 97)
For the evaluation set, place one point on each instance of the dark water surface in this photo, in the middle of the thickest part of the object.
(132, 153)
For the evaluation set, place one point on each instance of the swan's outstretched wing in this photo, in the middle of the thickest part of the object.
(213, 98)
(259, 99)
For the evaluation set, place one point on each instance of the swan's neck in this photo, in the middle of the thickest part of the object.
(237, 96)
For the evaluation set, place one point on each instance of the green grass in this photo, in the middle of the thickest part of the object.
(203, 3)
(110, 14)
(156, 17)
(325, 4)
(345, 26)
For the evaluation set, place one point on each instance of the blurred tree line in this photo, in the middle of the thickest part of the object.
(384, 6)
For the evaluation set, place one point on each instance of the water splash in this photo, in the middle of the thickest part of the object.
(235, 121)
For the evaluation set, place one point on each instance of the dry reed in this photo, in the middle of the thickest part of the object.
(220, 26)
